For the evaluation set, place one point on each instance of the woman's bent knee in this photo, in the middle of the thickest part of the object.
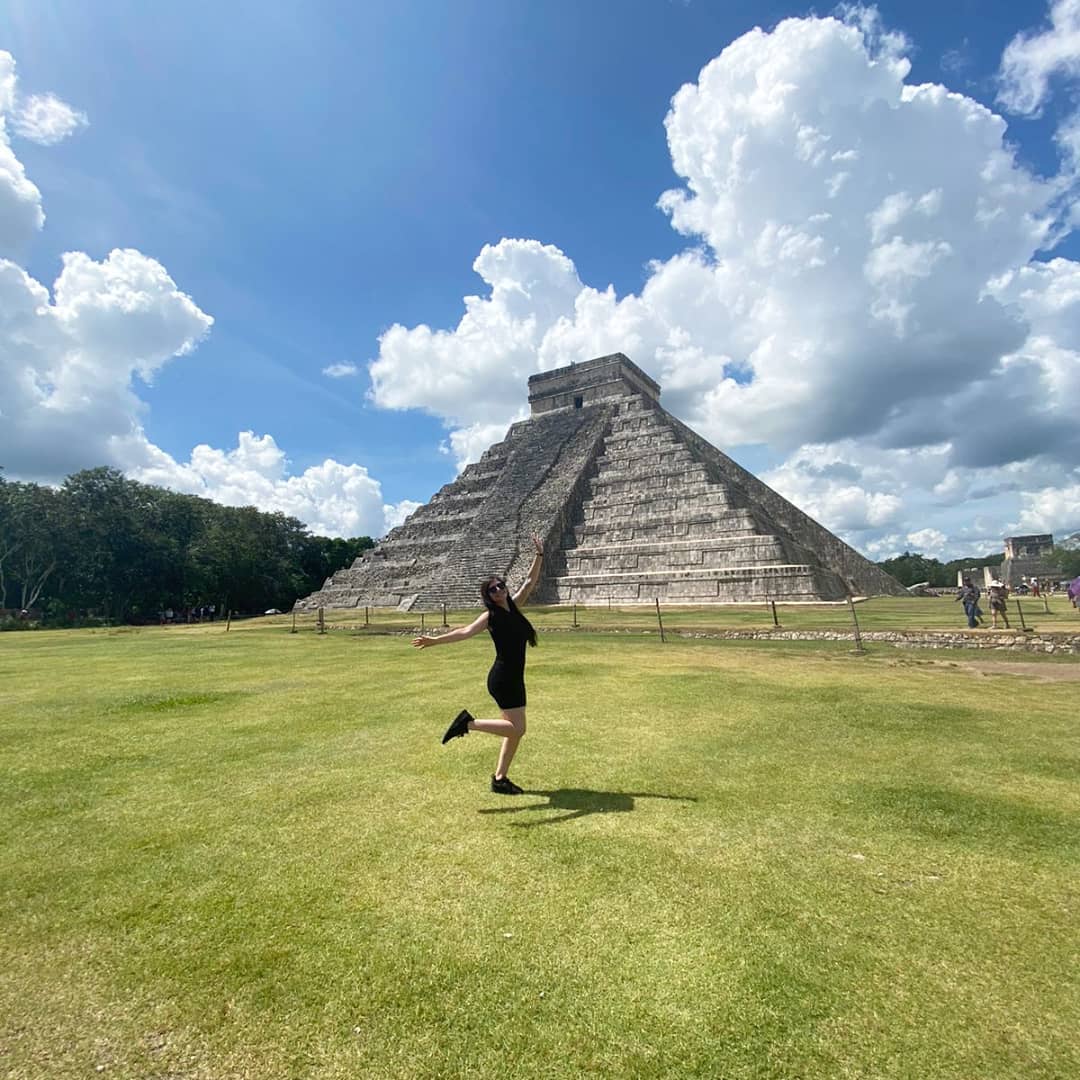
(517, 718)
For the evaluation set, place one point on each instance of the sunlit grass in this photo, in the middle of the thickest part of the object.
(246, 854)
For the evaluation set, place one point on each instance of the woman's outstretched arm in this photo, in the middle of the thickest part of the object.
(522, 595)
(460, 634)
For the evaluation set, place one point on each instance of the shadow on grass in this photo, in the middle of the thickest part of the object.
(975, 820)
(166, 702)
(580, 802)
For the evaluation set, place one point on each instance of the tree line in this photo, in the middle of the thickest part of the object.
(911, 568)
(102, 546)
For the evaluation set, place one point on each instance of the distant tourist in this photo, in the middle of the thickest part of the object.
(1034, 586)
(999, 596)
(969, 596)
(510, 632)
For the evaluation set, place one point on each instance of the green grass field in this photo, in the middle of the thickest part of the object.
(245, 854)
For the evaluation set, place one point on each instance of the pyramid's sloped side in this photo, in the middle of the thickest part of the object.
(479, 524)
(410, 556)
(548, 458)
(656, 523)
(859, 576)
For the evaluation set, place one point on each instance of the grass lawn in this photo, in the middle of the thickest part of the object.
(247, 855)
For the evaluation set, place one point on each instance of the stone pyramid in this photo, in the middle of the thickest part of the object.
(631, 504)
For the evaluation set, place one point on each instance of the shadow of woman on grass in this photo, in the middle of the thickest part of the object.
(578, 802)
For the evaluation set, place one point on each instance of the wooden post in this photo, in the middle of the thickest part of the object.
(659, 620)
(444, 622)
(575, 614)
(775, 620)
(855, 623)
(421, 622)
(321, 622)
(293, 630)
(228, 621)
(1020, 612)
(365, 614)
(1046, 604)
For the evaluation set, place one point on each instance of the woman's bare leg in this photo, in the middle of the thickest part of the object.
(512, 728)
(510, 744)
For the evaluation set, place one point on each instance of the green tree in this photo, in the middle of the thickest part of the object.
(911, 568)
(1065, 559)
(107, 545)
(323, 556)
(249, 561)
(31, 539)
(9, 541)
(121, 555)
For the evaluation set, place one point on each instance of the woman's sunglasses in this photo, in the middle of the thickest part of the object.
(496, 586)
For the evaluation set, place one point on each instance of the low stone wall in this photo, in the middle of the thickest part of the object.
(1005, 640)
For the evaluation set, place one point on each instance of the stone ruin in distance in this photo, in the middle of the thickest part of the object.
(632, 506)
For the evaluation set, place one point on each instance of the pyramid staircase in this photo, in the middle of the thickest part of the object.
(658, 523)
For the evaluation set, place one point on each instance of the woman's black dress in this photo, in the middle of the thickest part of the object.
(506, 679)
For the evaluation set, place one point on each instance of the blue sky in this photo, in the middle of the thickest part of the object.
(311, 176)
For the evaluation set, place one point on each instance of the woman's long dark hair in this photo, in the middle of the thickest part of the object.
(496, 612)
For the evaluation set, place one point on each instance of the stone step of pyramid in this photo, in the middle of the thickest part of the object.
(627, 505)
(648, 456)
(689, 523)
(433, 544)
(456, 501)
(758, 551)
(614, 560)
(637, 426)
(740, 584)
(665, 476)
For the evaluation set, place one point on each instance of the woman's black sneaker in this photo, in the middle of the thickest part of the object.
(505, 786)
(459, 727)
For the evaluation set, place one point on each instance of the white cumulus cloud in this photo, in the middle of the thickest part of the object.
(1051, 509)
(472, 373)
(1031, 59)
(21, 214)
(71, 359)
(67, 362)
(331, 498)
(928, 541)
(861, 277)
(45, 119)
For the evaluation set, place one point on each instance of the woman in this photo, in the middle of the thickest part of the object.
(510, 631)
(999, 596)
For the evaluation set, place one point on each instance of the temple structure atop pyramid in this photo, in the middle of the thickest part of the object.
(631, 504)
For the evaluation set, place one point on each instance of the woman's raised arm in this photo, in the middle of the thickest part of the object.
(522, 595)
(460, 634)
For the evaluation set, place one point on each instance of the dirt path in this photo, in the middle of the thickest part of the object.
(1044, 671)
